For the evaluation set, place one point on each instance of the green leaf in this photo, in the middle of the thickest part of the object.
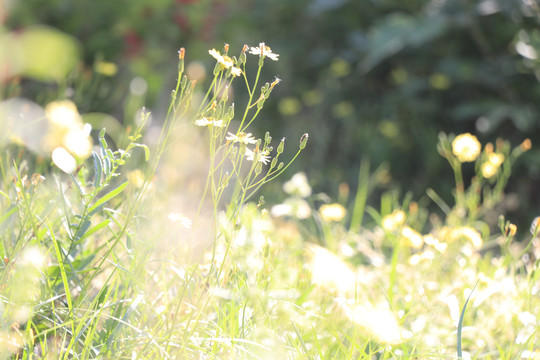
(460, 324)
(398, 31)
(98, 170)
(96, 228)
(81, 230)
(145, 148)
(108, 197)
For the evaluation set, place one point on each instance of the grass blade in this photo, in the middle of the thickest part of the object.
(460, 324)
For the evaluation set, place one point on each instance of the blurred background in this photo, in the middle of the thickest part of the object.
(375, 79)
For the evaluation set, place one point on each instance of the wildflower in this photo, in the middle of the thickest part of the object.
(263, 51)
(275, 82)
(210, 122)
(262, 156)
(432, 241)
(488, 170)
(241, 137)
(296, 207)
(379, 321)
(332, 212)
(412, 237)
(496, 159)
(468, 233)
(298, 185)
(329, 271)
(67, 129)
(415, 259)
(63, 159)
(466, 147)
(183, 220)
(33, 256)
(236, 71)
(136, 177)
(393, 221)
(226, 62)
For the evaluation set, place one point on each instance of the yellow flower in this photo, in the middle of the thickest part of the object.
(434, 242)
(488, 170)
(412, 237)
(466, 147)
(491, 166)
(332, 212)
(393, 221)
(496, 159)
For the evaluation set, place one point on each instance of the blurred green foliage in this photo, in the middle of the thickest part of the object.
(377, 78)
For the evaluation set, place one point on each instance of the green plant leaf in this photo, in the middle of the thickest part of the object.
(108, 197)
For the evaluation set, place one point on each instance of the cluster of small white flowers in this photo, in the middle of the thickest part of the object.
(210, 122)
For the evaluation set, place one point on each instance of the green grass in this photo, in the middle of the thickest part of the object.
(165, 251)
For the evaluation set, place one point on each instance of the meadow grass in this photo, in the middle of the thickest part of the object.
(123, 250)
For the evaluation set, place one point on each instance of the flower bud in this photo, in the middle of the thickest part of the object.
(281, 146)
(181, 54)
(303, 141)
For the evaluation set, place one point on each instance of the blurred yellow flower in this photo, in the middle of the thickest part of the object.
(434, 242)
(466, 147)
(468, 233)
(332, 212)
(488, 170)
(415, 259)
(412, 238)
(136, 177)
(393, 221)
(496, 159)
(491, 166)
(106, 68)
(67, 129)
